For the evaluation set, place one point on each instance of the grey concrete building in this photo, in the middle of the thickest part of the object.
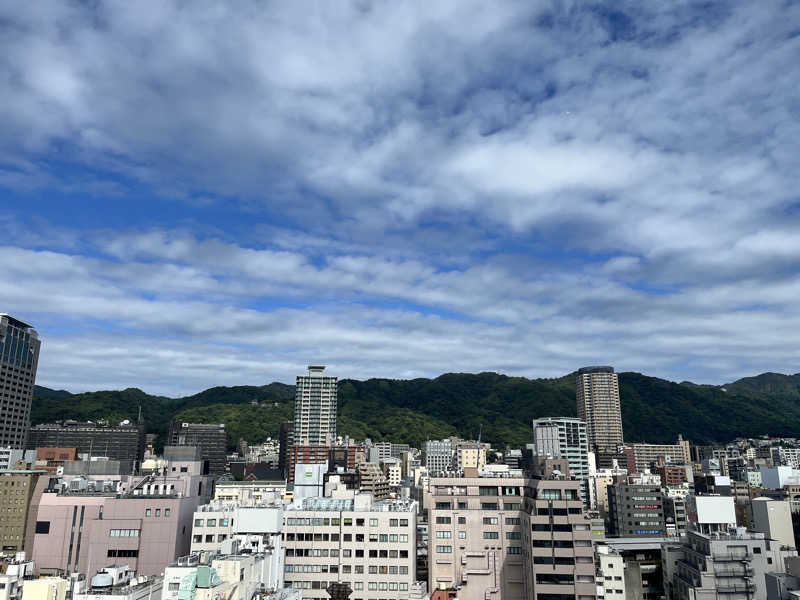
(315, 408)
(636, 510)
(210, 438)
(19, 357)
(599, 406)
(773, 518)
(116, 442)
(731, 564)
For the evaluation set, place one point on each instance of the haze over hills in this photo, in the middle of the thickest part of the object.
(653, 409)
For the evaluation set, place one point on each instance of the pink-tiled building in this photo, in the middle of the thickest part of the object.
(145, 522)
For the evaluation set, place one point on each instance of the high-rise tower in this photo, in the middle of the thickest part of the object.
(599, 406)
(19, 356)
(315, 409)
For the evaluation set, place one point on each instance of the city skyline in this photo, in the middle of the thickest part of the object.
(194, 196)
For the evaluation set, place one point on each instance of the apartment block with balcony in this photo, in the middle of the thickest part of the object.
(730, 565)
(507, 537)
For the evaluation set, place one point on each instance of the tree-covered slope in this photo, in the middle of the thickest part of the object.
(501, 408)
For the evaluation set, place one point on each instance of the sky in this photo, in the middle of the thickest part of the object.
(194, 194)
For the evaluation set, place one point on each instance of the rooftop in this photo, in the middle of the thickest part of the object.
(16, 322)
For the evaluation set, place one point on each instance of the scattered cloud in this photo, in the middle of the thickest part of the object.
(205, 194)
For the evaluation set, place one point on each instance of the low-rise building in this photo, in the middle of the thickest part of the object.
(145, 521)
(46, 588)
(254, 529)
(13, 573)
(118, 582)
(373, 480)
(233, 577)
(9, 457)
(730, 564)
(610, 573)
(250, 493)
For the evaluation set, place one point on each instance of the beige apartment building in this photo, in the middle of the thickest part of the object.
(315, 408)
(507, 537)
(599, 406)
(646, 454)
(20, 494)
(351, 539)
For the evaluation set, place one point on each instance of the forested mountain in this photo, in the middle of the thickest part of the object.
(502, 407)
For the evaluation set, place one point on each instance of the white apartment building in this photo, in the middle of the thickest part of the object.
(393, 471)
(12, 577)
(315, 408)
(257, 529)
(438, 455)
(565, 437)
(598, 488)
(9, 457)
(610, 573)
(370, 545)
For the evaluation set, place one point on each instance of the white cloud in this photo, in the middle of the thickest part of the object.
(523, 187)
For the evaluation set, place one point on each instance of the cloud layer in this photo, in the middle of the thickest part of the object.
(202, 195)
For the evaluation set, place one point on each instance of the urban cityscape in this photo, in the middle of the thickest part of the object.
(93, 509)
(417, 300)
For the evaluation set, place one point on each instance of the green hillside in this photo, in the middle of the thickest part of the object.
(498, 406)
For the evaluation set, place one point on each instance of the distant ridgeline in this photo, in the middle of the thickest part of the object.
(411, 411)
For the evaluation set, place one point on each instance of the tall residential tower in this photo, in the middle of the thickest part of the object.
(315, 409)
(599, 406)
(19, 356)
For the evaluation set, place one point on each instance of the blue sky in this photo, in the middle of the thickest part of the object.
(197, 195)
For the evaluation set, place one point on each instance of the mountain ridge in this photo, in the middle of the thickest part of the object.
(411, 410)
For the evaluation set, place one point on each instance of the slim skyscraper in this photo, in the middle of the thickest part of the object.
(315, 408)
(19, 356)
(599, 407)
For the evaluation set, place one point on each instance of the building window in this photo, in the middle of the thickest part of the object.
(444, 549)
(167, 512)
(43, 527)
(174, 586)
(211, 523)
(123, 553)
(373, 522)
(148, 512)
(491, 535)
(198, 522)
(158, 512)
